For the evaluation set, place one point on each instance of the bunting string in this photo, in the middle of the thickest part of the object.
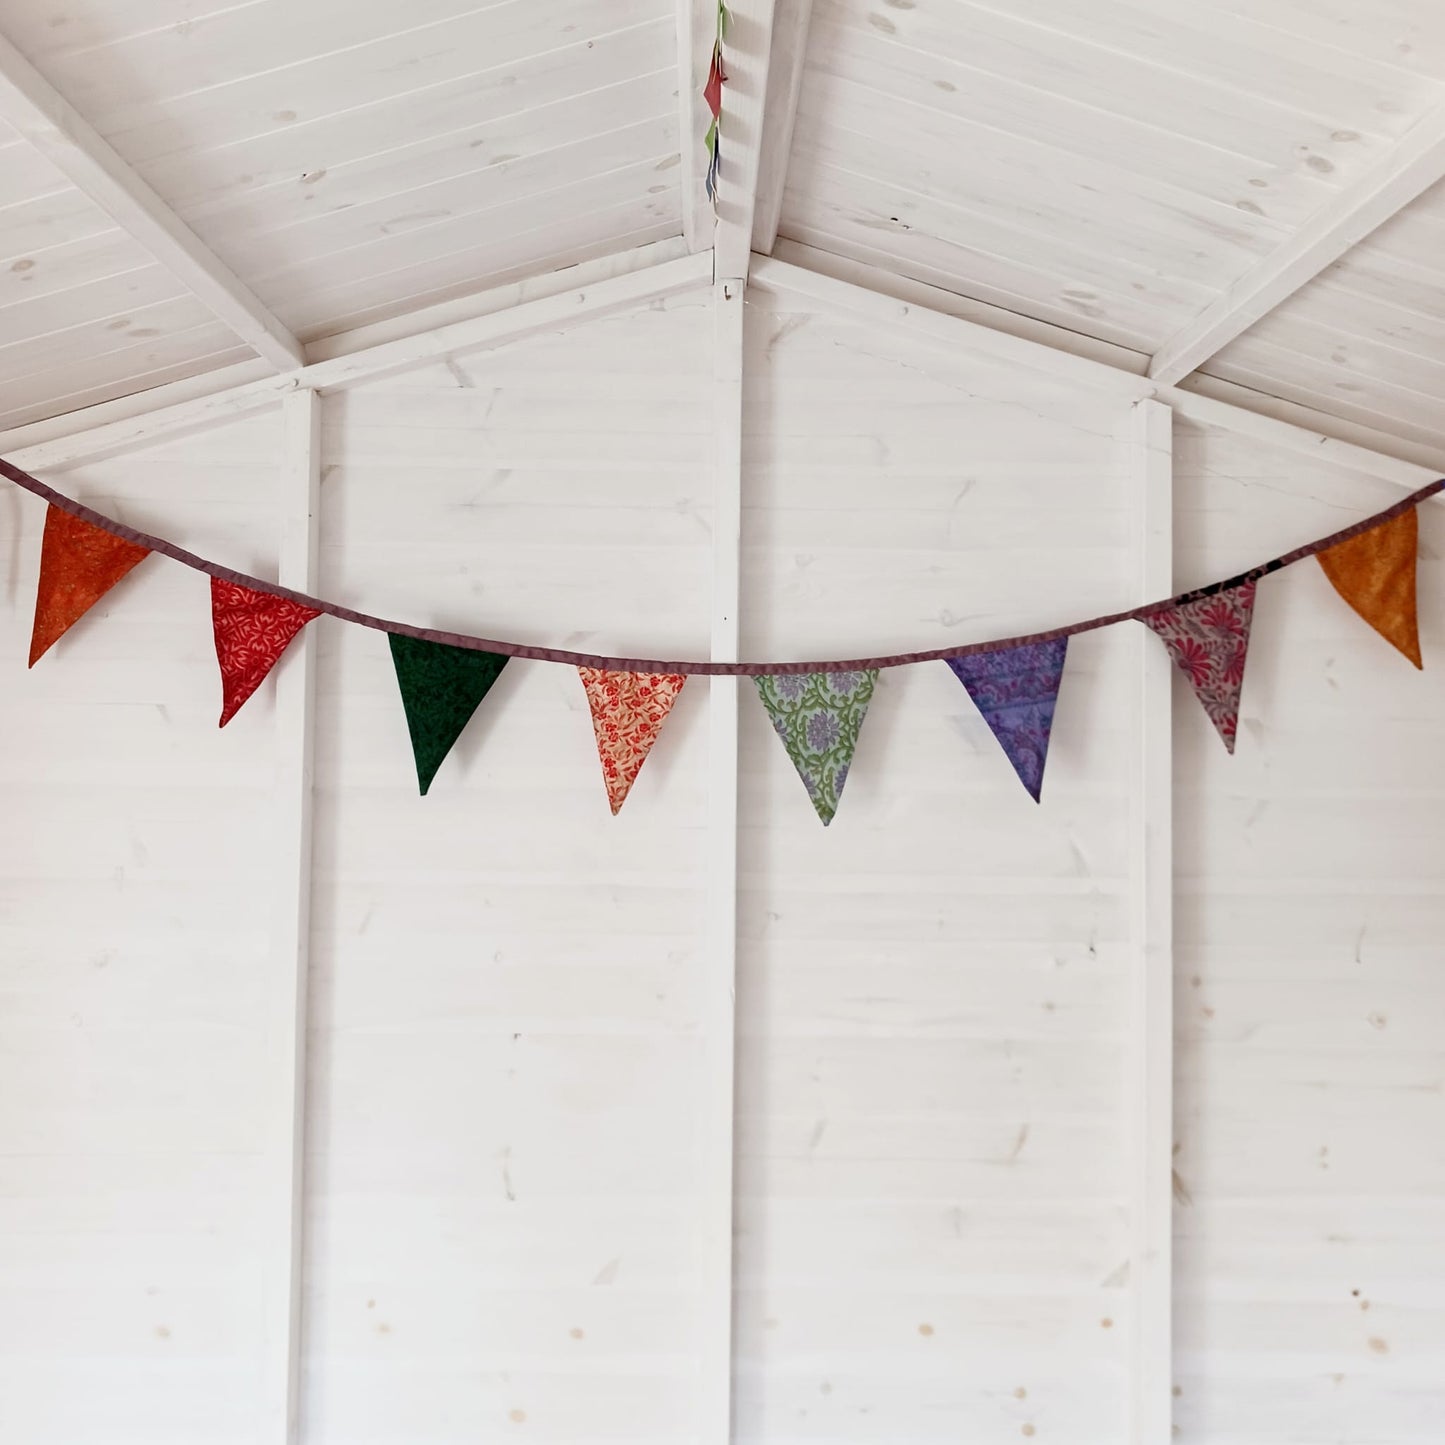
(684, 668)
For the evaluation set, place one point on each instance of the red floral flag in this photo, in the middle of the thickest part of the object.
(79, 564)
(628, 711)
(252, 630)
(1208, 639)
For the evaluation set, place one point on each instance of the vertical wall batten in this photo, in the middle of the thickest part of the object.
(716, 1131)
(290, 931)
(1150, 1068)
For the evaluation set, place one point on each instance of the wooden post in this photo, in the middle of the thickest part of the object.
(1150, 1075)
(285, 1083)
(719, 1028)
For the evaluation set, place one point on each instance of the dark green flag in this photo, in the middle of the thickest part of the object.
(441, 686)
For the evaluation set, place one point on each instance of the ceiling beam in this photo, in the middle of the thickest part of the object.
(785, 83)
(746, 51)
(478, 333)
(780, 114)
(695, 28)
(57, 130)
(1414, 164)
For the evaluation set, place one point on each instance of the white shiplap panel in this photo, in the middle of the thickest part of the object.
(620, 209)
(933, 991)
(132, 924)
(506, 979)
(447, 101)
(1310, 1182)
(461, 200)
(538, 149)
(931, 242)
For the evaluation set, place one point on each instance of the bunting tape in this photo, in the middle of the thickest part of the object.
(700, 669)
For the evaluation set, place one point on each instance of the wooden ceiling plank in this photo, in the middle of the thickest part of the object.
(691, 126)
(780, 115)
(48, 122)
(747, 50)
(1415, 164)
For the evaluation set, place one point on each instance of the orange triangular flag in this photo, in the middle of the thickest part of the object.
(1375, 574)
(628, 711)
(79, 564)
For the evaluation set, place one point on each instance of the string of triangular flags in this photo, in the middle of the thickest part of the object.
(816, 708)
(712, 94)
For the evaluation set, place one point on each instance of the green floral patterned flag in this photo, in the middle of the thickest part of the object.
(818, 716)
(441, 686)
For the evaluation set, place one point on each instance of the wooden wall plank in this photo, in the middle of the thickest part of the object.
(1310, 1184)
(932, 1179)
(287, 976)
(511, 987)
(1151, 1015)
(135, 1052)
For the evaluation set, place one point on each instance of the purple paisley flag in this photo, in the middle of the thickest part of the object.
(1016, 688)
(1208, 640)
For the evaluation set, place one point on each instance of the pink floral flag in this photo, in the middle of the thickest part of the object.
(1208, 639)
(628, 711)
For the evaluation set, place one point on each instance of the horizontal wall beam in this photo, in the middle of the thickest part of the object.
(529, 318)
(893, 301)
(952, 332)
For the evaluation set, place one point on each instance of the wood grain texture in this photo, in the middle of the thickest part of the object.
(932, 994)
(1310, 1183)
(508, 982)
(133, 931)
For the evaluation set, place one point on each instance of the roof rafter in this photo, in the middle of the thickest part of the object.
(785, 84)
(1411, 167)
(58, 131)
(747, 50)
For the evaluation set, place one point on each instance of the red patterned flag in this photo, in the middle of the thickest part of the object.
(1208, 639)
(628, 711)
(712, 91)
(252, 630)
(79, 564)
(1375, 574)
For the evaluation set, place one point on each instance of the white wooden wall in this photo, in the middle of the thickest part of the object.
(134, 884)
(1310, 969)
(933, 992)
(939, 1213)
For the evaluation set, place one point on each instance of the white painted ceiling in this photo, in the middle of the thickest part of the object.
(1111, 167)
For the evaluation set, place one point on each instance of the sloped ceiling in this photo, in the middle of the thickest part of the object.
(1112, 169)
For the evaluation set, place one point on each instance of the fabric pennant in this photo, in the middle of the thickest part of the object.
(714, 164)
(1375, 574)
(79, 564)
(252, 630)
(1208, 639)
(441, 687)
(1016, 689)
(818, 716)
(628, 711)
(716, 77)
